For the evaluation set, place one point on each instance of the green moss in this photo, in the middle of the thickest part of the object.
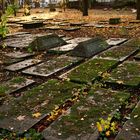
(84, 114)
(135, 42)
(118, 52)
(44, 97)
(18, 80)
(128, 73)
(3, 90)
(90, 70)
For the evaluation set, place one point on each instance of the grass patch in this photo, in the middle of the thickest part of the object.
(3, 90)
(90, 70)
(128, 73)
(118, 52)
(18, 80)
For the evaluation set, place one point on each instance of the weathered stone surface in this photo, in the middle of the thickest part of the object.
(78, 40)
(16, 115)
(14, 85)
(17, 33)
(137, 57)
(22, 65)
(92, 24)
(52, 66)
(52, 28)
(90, 47)
(115, 41)
(47, 42)
(131, 129)
(77, 23)
(72, 29)
(118, 52)
(126, 74)
(67, 38)
(18, 54)
(63, 49)
(79, 122)
(90, 70)
(32, 24)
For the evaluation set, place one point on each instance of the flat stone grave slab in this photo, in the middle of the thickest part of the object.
(72, 29)
(64, 24)
(52, 28)
(79, 122)
(77, 23)
(21, 65)
(46, 42)
(137, 57)
(63, 49)
(131, 129)
(126, 74)
(52, 66)
(67, 38)
(19, 54)
(17, 33)
(134, 21)
(118, 52)
(135, 42)
(14, 85)
(115, 41)
(92, 24)
(32, 24)
(90, 47)
(78, 40)
(18, 113)
(90, 70)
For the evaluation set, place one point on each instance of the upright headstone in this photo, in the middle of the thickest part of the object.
(47, 42)
(90, 47)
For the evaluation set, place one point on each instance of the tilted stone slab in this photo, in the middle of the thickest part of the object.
(116, 41)
(47, 42)
(118, 52)
(52, 66)
(79, 122)
(90, 47)
(22, 65)
(16, 34)
(67, 38)
(14, 85)
(78, 40)
(63, 49)
(18, 54)
(131, 129)
(90, 70)
(16, 115)
(32, 24)
(126, 74)
(135, 42)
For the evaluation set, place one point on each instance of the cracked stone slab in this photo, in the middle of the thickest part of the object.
(52, 66)
(15, 84)
(115, 41)
(18, 54)
(22, 65)
(78, 40)
(131, 129)
(79, 122)
(64, 48)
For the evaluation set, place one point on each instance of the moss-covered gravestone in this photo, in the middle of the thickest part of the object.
(47, 42)
(32, 24)
(90, 47)
(79, 123)
(126, 74)
(114, 20)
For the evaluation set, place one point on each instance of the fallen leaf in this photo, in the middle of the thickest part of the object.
(36, 115)
(20, 118)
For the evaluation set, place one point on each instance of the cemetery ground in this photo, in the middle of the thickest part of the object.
(65, 76)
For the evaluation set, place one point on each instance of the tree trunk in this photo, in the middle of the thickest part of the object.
(85, 7)
(138, 9)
